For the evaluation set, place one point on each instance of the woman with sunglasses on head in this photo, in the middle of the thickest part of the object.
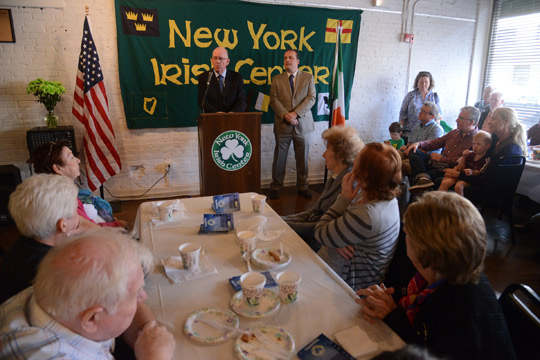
(57, 158)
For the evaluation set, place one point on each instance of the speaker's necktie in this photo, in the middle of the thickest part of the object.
(291, 82)
(220, 82)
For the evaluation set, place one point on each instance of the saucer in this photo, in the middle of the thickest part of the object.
(268, 305)
(248, 351)
(262, 259)
(206, 334)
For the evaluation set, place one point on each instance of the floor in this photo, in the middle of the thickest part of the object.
(505, 264)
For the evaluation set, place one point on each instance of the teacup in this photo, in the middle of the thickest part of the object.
(288, 282)
(252, 287)
(190, 253)
(165, 212)
(258, 202)
(248, 241)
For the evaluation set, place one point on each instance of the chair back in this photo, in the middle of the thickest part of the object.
(503, 180)
(401, 270)
(522, 317)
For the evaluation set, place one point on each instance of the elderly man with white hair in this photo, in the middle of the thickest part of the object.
(87, 291)
(496, 100)
(44, 208)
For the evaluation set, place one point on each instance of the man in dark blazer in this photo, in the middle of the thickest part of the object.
(226, 88)
(292, 95)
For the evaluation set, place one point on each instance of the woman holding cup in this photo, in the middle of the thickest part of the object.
(342, 145)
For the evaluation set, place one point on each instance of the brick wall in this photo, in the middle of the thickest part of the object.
(48, 43)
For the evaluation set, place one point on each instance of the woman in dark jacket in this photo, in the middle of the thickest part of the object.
(450, 307)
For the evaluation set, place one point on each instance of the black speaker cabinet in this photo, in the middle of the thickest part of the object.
(10, 177)
(41, 135)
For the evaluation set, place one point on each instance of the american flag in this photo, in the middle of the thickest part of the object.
(91, 108)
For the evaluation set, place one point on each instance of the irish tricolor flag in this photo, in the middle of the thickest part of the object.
(338, 93)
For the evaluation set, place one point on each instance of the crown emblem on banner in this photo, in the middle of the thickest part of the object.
(131, 15)
(140, 27)
(148, 17)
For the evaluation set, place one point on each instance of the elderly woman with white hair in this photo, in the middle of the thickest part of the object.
(44, 208)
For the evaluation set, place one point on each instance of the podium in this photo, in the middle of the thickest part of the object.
(229, 152)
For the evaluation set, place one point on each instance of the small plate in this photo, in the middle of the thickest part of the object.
(206, 334)
(247, 351)
(262, 259)
(268, 304)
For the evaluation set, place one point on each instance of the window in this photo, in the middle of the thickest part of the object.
(513, 65)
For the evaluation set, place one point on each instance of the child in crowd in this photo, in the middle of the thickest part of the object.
(472, 163)
(396, 129)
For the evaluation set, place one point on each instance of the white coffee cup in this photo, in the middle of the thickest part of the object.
(248, 241)
(258, 202)
(165, 212)
(288, 284)
(190, 253)
(252, 287)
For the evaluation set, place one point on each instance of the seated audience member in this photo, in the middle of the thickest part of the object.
(508, 138)
(87, 291)
(447, 128)
(427, 129)
(472, 163)
(450, 306)
(44, 208)
(342, 146)
(495, 101)
(57, 158)
(395, 129)
(359, 232)
(483, 103)
(427, 168)
(533, 134)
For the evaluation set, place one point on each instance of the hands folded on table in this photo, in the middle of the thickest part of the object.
(377, 302)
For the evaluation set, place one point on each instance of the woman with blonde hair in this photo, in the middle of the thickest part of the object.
(450, 306)
(508, 138)
(359, 232)
(342, 145)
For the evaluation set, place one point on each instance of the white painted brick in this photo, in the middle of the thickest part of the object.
(48, 43)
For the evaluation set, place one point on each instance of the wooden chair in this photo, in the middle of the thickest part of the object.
(500, 187)
(521, 313)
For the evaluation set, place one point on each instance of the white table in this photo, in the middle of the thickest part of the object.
(529, 184)
(325, 304)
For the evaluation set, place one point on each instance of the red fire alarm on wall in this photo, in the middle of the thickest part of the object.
(408, 38)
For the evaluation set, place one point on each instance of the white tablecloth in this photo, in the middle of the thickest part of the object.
(529, 184)
(325, 305)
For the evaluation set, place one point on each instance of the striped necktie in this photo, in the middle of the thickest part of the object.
(220, 82)
(291, 82)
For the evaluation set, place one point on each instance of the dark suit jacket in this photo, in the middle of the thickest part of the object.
(282, 102)
(233, 99)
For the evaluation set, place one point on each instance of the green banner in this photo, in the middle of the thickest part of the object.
(163, 45)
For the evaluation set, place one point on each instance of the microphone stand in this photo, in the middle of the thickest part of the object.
(206, 90)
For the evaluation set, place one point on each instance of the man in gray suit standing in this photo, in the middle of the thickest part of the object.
(292, 95)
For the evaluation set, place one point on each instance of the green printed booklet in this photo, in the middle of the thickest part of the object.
(226, 203)
(217, 223)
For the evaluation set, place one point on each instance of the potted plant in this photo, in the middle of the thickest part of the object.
(49, 93)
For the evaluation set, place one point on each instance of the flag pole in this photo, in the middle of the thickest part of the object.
(331, 97)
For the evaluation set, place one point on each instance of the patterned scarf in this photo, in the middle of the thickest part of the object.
(417, 292)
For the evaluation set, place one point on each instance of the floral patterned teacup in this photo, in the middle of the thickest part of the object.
(248, 241)
(258, 202)
(288, 282)
(190, 253)
(252, 287)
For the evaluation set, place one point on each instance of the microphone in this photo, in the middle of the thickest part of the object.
(206, 90)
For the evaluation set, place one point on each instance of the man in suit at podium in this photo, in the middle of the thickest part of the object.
(221, 90)
(292, 95)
